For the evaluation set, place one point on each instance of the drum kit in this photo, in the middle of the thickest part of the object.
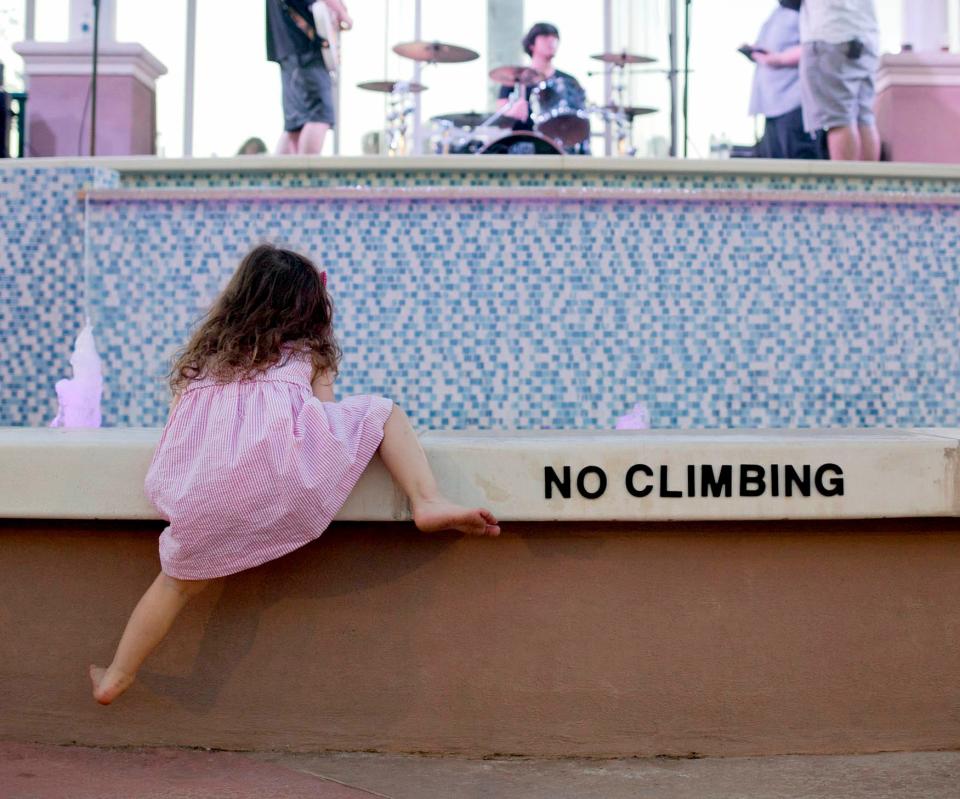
(558, 108)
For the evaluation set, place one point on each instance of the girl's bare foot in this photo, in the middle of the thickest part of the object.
(108, 684)
(441, 514)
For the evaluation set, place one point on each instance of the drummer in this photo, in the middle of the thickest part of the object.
(540, 43)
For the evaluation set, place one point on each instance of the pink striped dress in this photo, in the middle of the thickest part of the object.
(250, 470)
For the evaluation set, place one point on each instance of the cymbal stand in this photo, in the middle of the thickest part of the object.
(624, 126)
(400, 109)
(512, 100)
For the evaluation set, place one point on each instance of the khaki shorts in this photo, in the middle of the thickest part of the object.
(836, 91)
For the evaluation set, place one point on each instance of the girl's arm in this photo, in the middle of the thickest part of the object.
(323, 386)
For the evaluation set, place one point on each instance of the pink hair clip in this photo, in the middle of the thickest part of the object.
(323, 278)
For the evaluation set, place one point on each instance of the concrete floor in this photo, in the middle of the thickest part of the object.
(910, 775)
(34, 771)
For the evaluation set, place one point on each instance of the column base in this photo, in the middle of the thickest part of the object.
(918, 106)
(59, 89)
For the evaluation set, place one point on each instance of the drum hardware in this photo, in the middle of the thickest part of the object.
(518, 77)
(558, 106)
(465, 132)
(401, 107)
(431, 54)
(450, 139)
(468, 119)
(616, 111)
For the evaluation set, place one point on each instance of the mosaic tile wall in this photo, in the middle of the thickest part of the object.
(41, 283)
(517, 314)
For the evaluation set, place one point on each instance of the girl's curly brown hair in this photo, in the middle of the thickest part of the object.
(276, 297)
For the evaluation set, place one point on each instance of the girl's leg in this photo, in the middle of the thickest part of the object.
(148, 624)
(407, 463)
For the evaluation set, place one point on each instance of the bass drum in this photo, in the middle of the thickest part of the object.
(521, 143)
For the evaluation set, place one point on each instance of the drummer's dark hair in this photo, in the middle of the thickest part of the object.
(540, 29)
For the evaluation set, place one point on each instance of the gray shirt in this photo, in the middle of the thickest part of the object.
(776, 90)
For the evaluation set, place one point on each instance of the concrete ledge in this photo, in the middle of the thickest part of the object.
(655, 475)
(128, 165)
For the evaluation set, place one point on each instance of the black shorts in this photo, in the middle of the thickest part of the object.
(307, 91)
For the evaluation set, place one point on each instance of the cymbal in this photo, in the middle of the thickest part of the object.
(511, 75)
(472, 119)
(632, 111)
(435, 52)
(621, 59)
(389, 86)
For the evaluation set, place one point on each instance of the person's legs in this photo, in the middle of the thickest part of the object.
(406, 461)
(767, 147)
(866, 99)
(797, 142)
(149, 623)
(869, 142)
(311, 138)
(844, 143)
(288, 143)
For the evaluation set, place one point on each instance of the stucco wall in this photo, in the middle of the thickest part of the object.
(589, 638)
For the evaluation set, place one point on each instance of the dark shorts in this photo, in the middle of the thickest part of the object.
(784, 137)
(307, 91)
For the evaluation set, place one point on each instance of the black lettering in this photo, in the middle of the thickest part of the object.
(691, 480)
(775, 480)
(835, 487)
(664, 490)
(550, 478)
(751, 474)
(791, 479)
(711, 485)
(582, 482)
(631, 473)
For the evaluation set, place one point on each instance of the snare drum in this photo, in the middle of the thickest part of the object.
(558, 110)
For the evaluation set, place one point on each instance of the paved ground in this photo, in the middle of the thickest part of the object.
(30, 771)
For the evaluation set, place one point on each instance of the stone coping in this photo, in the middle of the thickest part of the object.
(652, 475)
(511, 193)
(491, 163)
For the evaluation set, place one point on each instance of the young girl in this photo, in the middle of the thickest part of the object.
(257, 457)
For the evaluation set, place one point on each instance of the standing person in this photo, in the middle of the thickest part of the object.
(308, 103)
(776, 87)
(841, 43)
(257, 457)
(541, 44)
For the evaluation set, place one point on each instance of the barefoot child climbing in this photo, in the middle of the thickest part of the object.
(257, 457)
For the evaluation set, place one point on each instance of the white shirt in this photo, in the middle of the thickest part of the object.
(838, 21)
